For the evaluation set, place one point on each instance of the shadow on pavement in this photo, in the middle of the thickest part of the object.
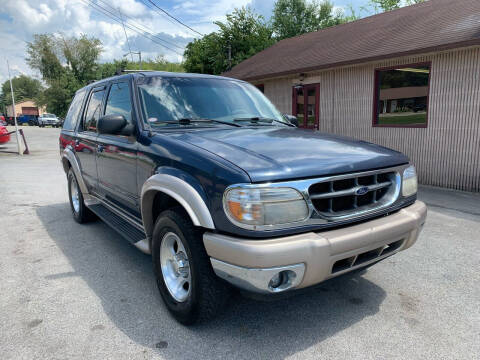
(122, 279)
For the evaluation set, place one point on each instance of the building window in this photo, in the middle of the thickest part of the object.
(401, 96)
(261, 87)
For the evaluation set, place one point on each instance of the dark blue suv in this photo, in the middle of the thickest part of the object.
(203, 173)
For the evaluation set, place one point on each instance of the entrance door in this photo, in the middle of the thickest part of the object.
(305, 105)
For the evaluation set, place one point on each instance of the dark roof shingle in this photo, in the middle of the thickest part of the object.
(430, 26)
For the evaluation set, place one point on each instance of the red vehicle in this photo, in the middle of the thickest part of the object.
(4, 135)
(3, 122)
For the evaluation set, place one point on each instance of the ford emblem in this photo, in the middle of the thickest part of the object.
(362, 190)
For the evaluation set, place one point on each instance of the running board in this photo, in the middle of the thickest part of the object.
(130, 232)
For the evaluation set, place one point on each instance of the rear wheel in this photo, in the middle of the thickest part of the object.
(185, 278)
(80, 212)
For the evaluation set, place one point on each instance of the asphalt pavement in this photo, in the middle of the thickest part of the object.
(70, 291)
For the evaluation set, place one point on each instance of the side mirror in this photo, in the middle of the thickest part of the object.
(114, 125)
(291, 119)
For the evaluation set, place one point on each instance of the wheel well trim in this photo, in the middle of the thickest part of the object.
(69, 156)
(182, 192)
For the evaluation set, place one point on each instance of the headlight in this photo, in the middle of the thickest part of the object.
(251, 207)
(409, 184)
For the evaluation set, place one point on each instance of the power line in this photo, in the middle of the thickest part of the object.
(144, 29)
(174, 18)
(115, 18)
(125, 31)
(140, 26)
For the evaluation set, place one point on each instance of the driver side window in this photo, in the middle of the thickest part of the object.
(118, 101)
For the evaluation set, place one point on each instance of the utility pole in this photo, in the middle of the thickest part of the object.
(125, 31)
(139, 57)
(14, 112)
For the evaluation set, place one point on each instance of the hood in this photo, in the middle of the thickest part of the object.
(269, 153)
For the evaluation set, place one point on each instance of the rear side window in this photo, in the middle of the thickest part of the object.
(94, 111)
(72, 116)
(118, 102)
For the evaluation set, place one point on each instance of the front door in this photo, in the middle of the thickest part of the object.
(117, 154)
(305, 105)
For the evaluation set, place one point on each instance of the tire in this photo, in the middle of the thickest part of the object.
(206, 293)
(80, 212)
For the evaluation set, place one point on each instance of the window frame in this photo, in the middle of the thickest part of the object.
(376, 95)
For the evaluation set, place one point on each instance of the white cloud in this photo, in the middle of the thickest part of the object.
(20, 19)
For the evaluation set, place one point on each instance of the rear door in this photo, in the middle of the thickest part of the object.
(86, 142)
(117, 154)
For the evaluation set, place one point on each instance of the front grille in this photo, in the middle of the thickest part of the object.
(347, 196)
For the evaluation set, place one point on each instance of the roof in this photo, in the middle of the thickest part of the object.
(430, 26)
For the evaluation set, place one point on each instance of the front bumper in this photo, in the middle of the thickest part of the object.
(310, 258)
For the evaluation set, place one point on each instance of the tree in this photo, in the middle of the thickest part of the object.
(81, 56)
(385, 5)
(48, 53)
(296, 17)
(242, 35)
(24, 87)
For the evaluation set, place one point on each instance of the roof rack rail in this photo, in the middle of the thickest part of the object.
(131, 71)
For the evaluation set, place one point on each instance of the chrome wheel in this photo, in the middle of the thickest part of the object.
(74, 194)
(175, 267)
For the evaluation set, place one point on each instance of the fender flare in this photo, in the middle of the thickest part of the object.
(72, 159)
(181, 191)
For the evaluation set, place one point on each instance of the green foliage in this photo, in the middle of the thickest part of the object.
(296, 17)
(67, 64)
(81, 56)
(24, 87)
(47, 53)
(244, 33)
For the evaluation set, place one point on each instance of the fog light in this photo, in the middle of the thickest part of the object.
(282, 280)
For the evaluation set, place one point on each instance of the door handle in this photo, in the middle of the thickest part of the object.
(100, 148)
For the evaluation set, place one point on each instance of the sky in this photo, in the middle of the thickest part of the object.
(20, 19)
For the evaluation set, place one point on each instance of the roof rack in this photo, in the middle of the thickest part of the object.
(133, 71)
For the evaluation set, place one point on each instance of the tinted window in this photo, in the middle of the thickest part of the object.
(118, 102)
(402, 96)
(94, 111)
(72, 115)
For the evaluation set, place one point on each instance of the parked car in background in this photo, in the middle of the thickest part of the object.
(3, 121)
(207, 176)
(4, 135)
(48, 120)
(31, 120)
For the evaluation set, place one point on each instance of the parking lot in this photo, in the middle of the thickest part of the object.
(80, 291)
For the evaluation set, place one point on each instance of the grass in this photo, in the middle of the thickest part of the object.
(402, 119)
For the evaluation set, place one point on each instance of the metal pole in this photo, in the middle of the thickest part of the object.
(140, 60)
(14, 112)
(125, 31)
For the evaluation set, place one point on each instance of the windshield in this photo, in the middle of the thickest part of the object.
(48, 115)
(168, 99)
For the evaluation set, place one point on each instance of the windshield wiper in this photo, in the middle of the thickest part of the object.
(188, 121)
(257, 119)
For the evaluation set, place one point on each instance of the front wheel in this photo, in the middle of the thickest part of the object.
(185, 278)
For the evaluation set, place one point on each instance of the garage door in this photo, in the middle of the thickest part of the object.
(28, 110)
